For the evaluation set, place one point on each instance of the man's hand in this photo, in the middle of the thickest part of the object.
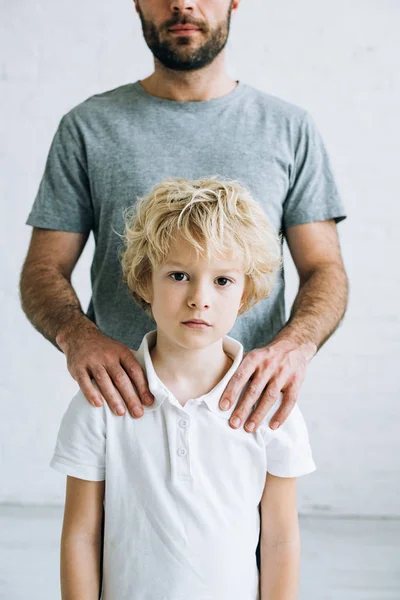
(280, 366)
(112, 365)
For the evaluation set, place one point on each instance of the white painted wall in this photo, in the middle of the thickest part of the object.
(340, 60)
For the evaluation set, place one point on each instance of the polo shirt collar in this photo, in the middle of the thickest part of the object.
(160, 392)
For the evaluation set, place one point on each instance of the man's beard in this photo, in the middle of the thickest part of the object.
(169, 52)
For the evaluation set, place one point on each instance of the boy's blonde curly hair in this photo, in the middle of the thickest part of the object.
(215, 216)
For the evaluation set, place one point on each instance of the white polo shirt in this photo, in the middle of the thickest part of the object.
(182, 488)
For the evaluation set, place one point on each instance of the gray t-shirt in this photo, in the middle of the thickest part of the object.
(116, 146)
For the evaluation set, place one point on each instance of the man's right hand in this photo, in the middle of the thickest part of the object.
(92, 355)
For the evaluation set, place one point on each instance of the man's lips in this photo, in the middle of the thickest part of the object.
(184, 29)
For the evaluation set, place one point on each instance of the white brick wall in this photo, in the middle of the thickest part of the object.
(339, 60)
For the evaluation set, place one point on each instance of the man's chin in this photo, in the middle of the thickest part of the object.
(180, 51)
(181, 63)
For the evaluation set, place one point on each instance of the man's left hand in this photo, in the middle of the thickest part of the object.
(279, 367)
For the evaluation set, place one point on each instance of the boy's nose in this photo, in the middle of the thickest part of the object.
(198, 303)
(199, 298)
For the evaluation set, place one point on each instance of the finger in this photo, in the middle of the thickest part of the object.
(236, 384)
(245, 404)
(107, 388)
(137, 375)
(90, 392)
(267, 400)
(289, 399)
(127, 391)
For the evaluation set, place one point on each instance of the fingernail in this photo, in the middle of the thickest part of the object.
(120, 410)
(235, 421)
(275, 425)
(250, 426)
(137, 411)
(148, 399)
(225, 405)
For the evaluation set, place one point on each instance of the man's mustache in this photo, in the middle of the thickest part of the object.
(184, 20)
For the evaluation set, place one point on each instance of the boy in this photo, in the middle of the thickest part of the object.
(180, 488)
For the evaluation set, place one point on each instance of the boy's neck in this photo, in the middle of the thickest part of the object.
(189, 373)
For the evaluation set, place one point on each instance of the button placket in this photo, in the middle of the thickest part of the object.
(183, 449)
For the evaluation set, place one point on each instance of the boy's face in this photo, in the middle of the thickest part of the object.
(186, 288)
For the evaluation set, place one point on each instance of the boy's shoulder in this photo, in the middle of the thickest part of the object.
(82, 411)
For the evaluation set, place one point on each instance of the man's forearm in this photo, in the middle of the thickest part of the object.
(50, 303)
(280, 568)
(318, 307)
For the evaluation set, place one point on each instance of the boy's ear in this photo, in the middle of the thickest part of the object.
(147, 297)
(244, 297)
(147, 294)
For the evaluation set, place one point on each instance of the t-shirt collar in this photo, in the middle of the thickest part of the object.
(160, 392)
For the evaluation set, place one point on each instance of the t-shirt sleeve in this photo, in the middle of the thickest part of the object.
(63, 201)
(81, 443)
(313, 194)
(288, 447)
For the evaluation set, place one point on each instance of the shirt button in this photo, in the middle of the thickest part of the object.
(183, 423)
(182, 452)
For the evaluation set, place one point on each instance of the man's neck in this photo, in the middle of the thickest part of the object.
(189, 86)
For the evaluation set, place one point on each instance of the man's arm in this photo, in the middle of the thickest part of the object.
(81, 540)
(317, 311)
(321, 301)
(52, 306)
(280, 540)
(47, 296)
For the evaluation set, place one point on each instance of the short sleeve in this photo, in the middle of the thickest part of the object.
(288, 447)
(81, 443)
(313, 194)
(63, 201)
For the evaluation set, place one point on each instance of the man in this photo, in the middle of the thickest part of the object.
(187, 119)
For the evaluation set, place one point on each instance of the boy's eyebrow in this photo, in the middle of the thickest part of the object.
(179, 264)
(176, 263)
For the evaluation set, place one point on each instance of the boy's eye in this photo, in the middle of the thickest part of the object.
(178, 275)
(224, 279)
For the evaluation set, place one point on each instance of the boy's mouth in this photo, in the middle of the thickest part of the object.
(196, 323)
